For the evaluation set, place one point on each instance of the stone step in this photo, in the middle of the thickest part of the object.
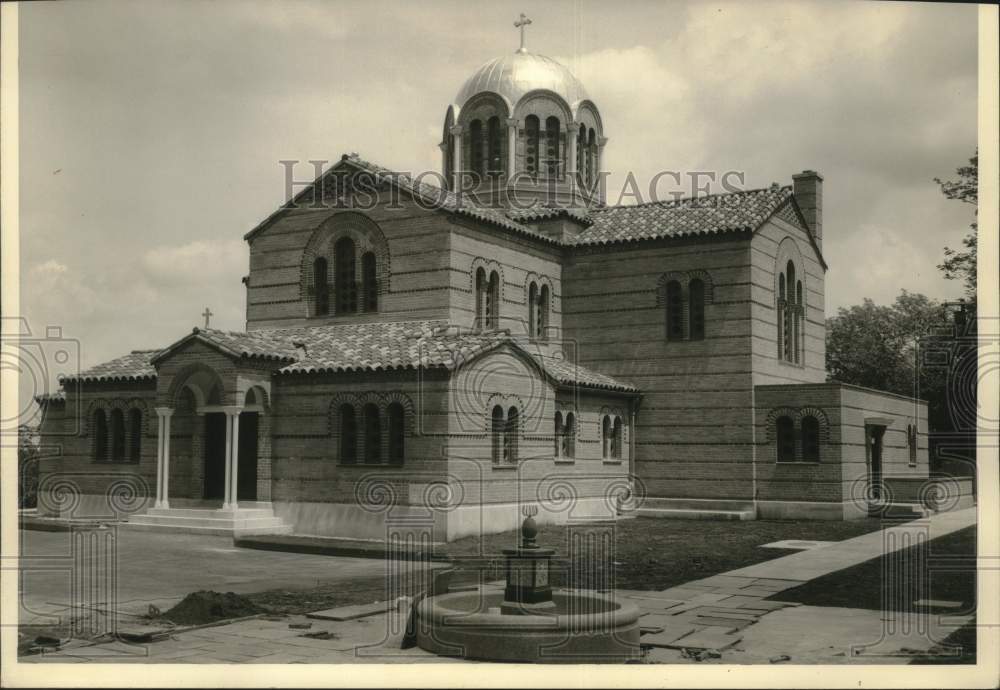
(696, 514)
(737, 504)
(280, 528)
(206, 521)
(211, 512)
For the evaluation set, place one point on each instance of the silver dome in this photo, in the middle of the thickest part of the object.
(513, 76)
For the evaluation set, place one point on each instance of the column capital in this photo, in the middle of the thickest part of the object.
(232, 410)
(456, 130)
(512, 121)
(602, 141)
(164, 411)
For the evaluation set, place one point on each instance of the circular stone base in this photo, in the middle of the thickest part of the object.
(583, 628)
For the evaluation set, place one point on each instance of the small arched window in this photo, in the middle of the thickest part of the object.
(542, 327)
(134, 434)
(675, 311)
(785, 435)
(117, 436)
(581, 153)
(591, 158)
(397, 434)
(810, 439)
(449, 160)
(799, 321)
(696, 301)
(532, 310)
(497, 434)
(373, 434)
(481, 289)
(532, 129)
(344, 275)
(782, 307)
(496, 165)
(510, 437)
(557, 434)
(617, 438)
(321, 288)
(553, 159)
(348, 435)
(100, 432)
(606, 437)
(369, 282)
(477, 152)
(569, 436)
(493, 302)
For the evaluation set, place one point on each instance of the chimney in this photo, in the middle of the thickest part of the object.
(807, 187)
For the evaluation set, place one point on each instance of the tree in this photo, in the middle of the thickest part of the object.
(27, 463)
(961, 264)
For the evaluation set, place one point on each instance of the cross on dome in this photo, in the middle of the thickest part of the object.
(520, 24)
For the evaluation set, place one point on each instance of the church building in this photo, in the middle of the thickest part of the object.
(441, 350)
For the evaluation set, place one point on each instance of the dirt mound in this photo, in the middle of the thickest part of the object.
(207, 607)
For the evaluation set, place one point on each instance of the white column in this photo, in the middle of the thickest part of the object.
(456, 133)
(163, 415)
(226, 496)
(511, 147)
(234, 461)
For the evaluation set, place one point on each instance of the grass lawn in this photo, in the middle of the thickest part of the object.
(654, 554)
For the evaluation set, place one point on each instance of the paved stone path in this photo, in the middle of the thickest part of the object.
(724, 613)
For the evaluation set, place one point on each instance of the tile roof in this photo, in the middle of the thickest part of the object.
(704, 215)
(546, 213)
(376, 346)
(54, 397)
(135, 366)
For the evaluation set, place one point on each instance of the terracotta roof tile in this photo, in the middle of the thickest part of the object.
(736, 211)
(135, 366)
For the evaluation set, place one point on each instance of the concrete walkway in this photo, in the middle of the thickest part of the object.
(724, 618)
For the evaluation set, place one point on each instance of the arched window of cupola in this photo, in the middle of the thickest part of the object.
(552, 150)
(477, 152)
(531, 136)
(675, 311)
(492, 310)
(542, 325)
(581, 153)
(782, 308)
(696, 299)
(369, 282)
(496, 166)
(533, 310)
(344, 276)
(591, 157)
(481, 290)
(321, 288)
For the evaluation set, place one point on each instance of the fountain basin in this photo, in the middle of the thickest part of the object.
(582, 627)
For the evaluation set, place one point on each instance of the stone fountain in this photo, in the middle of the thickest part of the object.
(526, 620)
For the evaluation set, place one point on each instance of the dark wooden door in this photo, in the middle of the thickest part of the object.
(246, 477)
(215, 455)
(875, 434)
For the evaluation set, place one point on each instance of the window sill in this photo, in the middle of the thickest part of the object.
(607, 461)
(370, 464)
(505, 467)
(797, 462)
(564, 461)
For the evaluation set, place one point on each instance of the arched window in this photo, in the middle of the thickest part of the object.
(481, 289)
(782, 307)
(785, 434)
(497, 433)
(134, 434)
(799, 316)
(606, 437)
(558, 434)
(369, 282)
(348, 435)
(100, 432)
(542, 327)
(790, 314)
(321, 288)
(531, 135)
(496, 165)
(510, 437)
(810, 439)
(344, 275)
(616, 439)
(532, 310)
(397, 434)
(493, 302)
(581, 154)
(911, 443)
(553, 159)
(373, 434)
(117, 436)
(591, 158)
(675, 311)
(449, 160)
(569, 436)
(477, 153)
(696, 308)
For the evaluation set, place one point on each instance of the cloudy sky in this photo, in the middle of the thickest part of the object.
(151, 131)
